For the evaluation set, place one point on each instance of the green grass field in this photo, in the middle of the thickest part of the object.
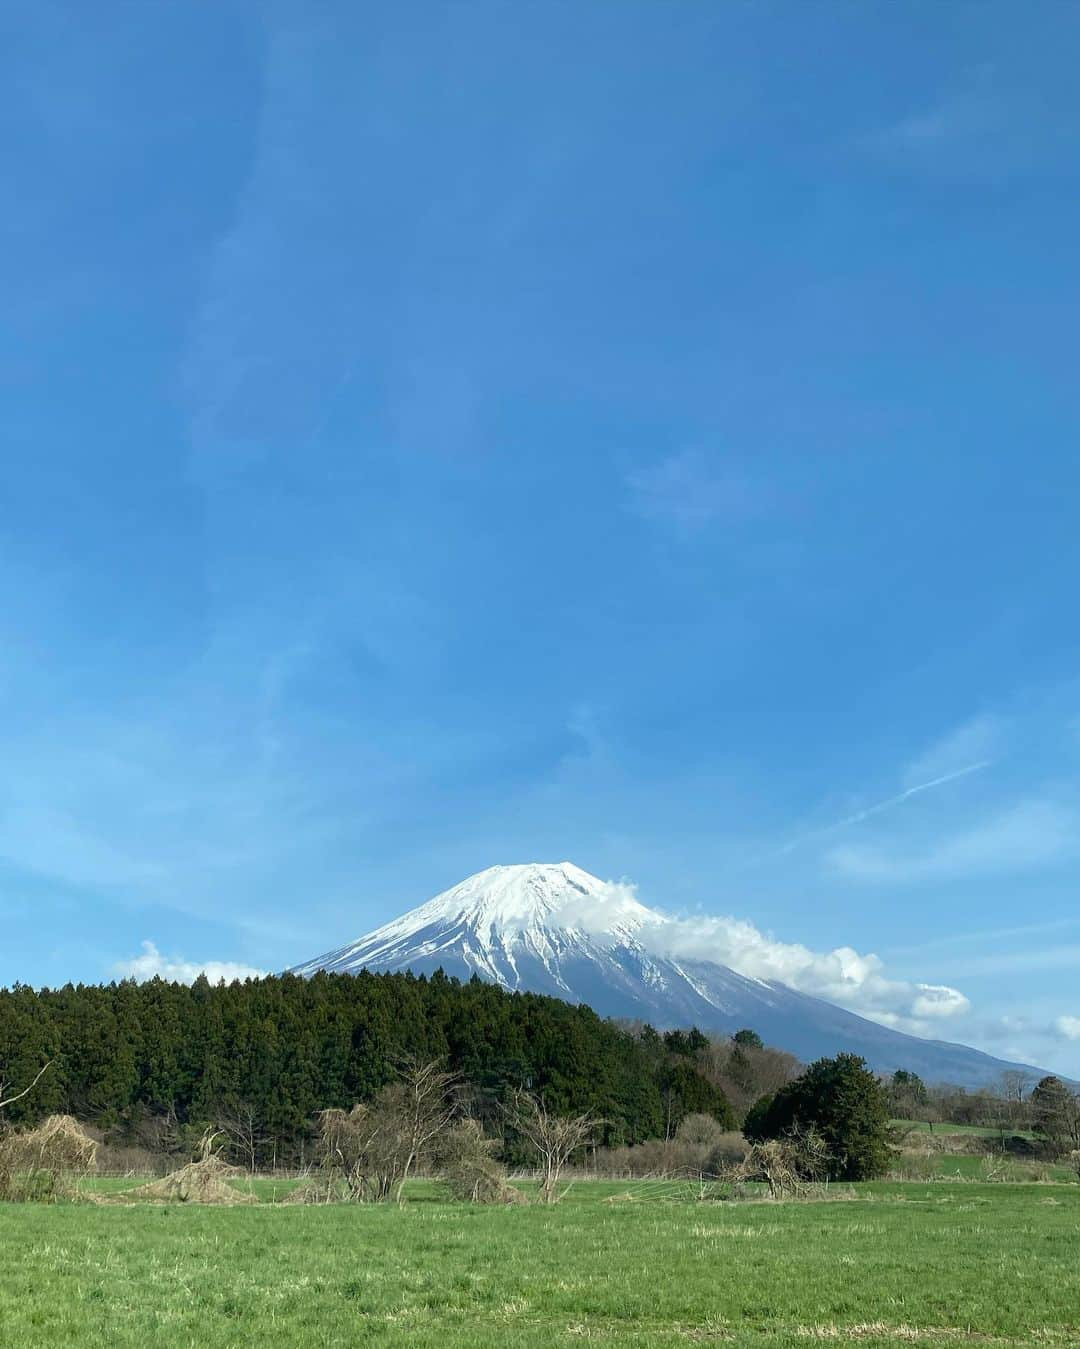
(898, 1263)
(973, 1130)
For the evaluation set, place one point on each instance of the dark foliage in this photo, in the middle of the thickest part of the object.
(685, 1092)
(1055, 1111)
(841, 1100)
(757, 1124)
(278, 1050)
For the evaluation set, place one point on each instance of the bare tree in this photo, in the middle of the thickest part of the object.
(770, 1161)
(424, 1109)
(162, 1134)
(347, 1140)
(786, 1164)
(13, 1095)
(553, 1138)
(372, 1150)
(1013, 1088)
(1015, 1084)
(744, 1071)
(241, 1126)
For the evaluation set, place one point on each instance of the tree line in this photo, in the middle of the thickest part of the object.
(1018, 1102)
(143, 1061)
(152, 1064)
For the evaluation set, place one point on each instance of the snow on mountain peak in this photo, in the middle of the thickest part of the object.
(541, 907)
(514, 898)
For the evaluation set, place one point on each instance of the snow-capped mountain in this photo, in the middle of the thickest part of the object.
(554, 928)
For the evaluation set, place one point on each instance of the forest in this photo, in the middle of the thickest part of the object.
(142, 1059)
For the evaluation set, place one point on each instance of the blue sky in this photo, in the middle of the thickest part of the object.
(643, 434)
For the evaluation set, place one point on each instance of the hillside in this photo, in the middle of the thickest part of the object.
(280, 1049)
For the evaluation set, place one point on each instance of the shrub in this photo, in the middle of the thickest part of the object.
(699, 1131)
(468, 1169)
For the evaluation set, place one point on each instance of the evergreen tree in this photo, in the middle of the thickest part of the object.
(1056, 1113)
(907, 1094)
(844, 1103)
(275, 1051)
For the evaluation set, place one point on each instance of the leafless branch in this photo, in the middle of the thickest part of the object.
(10, 1100)
(553, 1138)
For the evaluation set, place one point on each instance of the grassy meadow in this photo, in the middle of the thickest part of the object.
(945, 1128)
(634, 1264)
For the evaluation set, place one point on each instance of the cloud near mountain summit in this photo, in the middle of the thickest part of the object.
(843, 975)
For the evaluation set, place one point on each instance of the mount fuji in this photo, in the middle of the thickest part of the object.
(553, 928)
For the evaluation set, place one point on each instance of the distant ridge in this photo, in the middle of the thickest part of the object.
(554, 928)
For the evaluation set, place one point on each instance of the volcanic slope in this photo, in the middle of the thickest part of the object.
(554, 928)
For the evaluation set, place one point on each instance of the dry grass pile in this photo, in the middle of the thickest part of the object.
(46, 1162)
(61, 1144)
(317, 1189)
(207, 1181)
(361, 1156)
(361, 1152)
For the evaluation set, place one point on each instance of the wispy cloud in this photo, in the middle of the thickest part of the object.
(47, 841)
(1030, 1036)
(879, 806)
(979, 129)
(966, 112)
(1026, 836)
(986, 936)
(973, 745)
(152, 964)
(1043, 958)
(968, 749)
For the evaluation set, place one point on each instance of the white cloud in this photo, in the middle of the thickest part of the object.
(843, 976)
(1026, 836)
(939, 1001)
(1032, 1037)
(151, 963)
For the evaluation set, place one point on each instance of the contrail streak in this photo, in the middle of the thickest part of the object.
(887, 804)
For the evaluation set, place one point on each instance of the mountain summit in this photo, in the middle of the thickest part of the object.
(553, 928)
(516, 925)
